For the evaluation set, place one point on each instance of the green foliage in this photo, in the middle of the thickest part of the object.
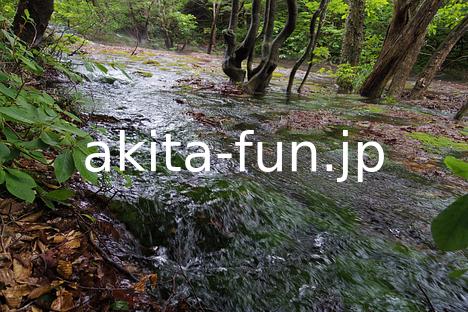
(450, 228)
(352, 77)
(185, 26)
(459, 167)
(438, 144)
(34, 128)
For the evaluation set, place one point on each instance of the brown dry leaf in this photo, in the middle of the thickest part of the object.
(65, 269)
(73, 240)
(73, 244)
(150, 280)
(32, 217)
(40, 291)
(57, 239)
(35, 309)
(64, 301)
(41, 246)
(14, 295)
(6, 277)
(10, 207)
(22, 272)
(37, 227)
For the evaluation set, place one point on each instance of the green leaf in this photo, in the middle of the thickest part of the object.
(16, 114)
(7, 91)
(120, 306)
(79, 158)
(459, 167)
(47, 139)
(101, 67)
(450, 228)
(64, 167)
(2, 176)
(4, 153)
(3, 76)
(458, 273)
(20, 185)
(10, 135)
(60, 195)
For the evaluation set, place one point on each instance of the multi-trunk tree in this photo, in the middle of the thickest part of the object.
(409, 24)
(259, 77)
(316, 23)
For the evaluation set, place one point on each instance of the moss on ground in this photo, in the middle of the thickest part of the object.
(438, 144)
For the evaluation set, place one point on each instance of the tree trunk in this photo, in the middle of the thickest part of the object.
(311, 59)
(354, 33)
(438, 59)
(313, 36)
(168, 42)
(216, 9)
(261, 79)
(462, 112)
(403, 71)
(234, 56)
(32, 31)
(402, 34)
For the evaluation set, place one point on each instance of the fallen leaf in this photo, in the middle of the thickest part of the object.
(64, 269)
(22, 272)
(32, 217)
(150, 280)
(64, 301)
(14, 295)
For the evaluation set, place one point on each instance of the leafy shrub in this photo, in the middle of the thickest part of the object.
(350, 78)
(35, 132)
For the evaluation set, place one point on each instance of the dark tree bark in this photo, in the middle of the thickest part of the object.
(32, 31)
(270, 54)
(438, 59)
(354, 33)
(313, 36)
(235, 55)
(403, 32)
(312, 55)
(404, 68)
(462, 112)
(403, 71)
(216, 9)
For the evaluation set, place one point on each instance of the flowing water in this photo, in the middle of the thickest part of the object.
(230, 241)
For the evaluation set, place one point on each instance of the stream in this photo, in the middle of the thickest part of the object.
(230, 241)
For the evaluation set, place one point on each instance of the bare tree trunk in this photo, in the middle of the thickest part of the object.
(32, 31)
(354, 33)
(313, 36)
(438, 59)
(216, 9)
(234, 56)
(261, 79)
(312, 55)
(402, 34)
(403, 71)
(462, 112)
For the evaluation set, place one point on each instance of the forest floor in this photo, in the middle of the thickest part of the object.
(80, 258)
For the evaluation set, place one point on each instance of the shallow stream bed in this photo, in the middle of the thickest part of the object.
(230, 241)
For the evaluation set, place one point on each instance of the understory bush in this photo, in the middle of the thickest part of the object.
(37, 136)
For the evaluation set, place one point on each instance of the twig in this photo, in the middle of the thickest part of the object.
(431, 307)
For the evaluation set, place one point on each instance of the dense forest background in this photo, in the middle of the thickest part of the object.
(199, 25)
